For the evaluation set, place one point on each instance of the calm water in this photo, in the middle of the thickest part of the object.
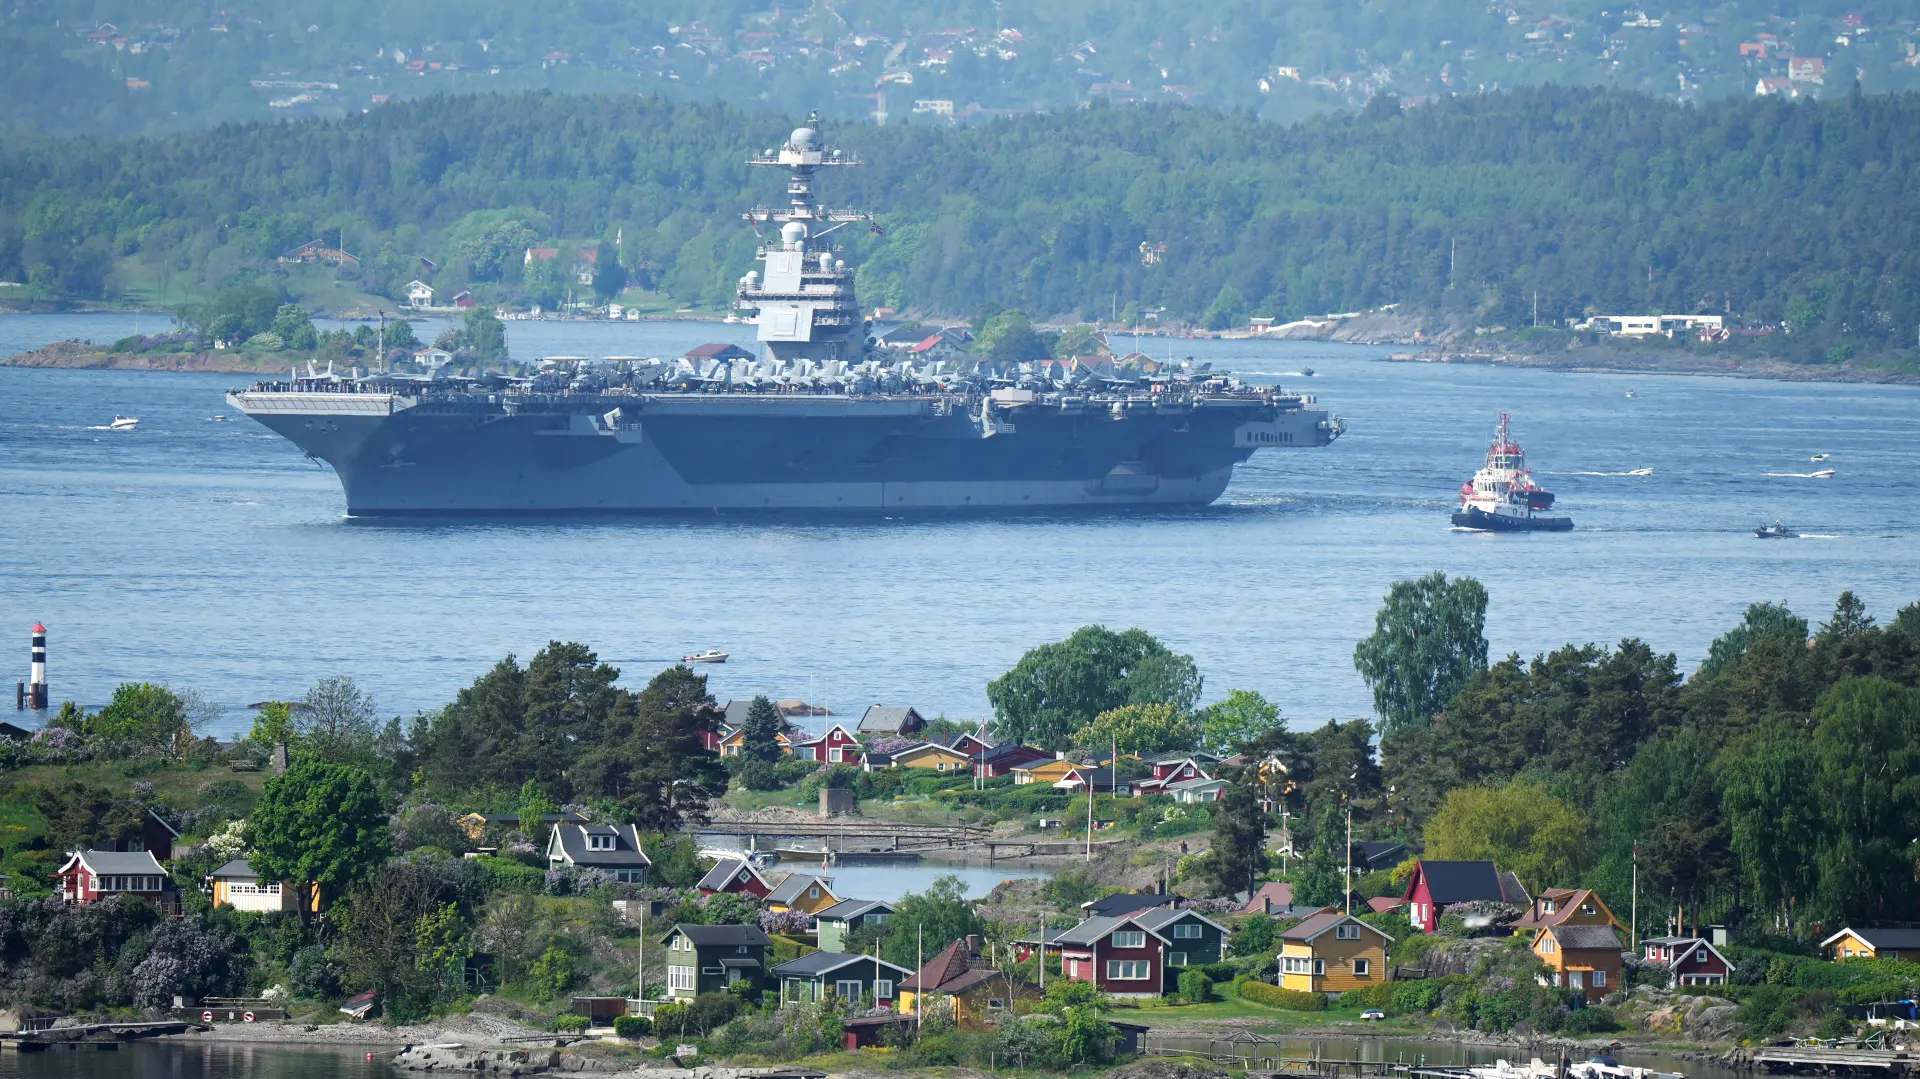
(162, 1060)
(1436, 1054)
(212, 555)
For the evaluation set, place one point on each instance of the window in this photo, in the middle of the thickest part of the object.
(680, 978)
(1299, 965)
(1130, 938)
(1177, 959)
(1599, 979)
(1546, 945)
(850, 989)
(1547, 906)
(1586, 908)
(1128, 970)
(813, 892)
(1319, 967)
(630, 876)
(682, 942)
(833, 755)
(1362, 967)
(1186, 930)
(1346, 932)
(883, 989)
(878, 918)
(599, 842)
(995, 1004)
(743, 876)
(1699, 955)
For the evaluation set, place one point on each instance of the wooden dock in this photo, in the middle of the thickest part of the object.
(849, 837)
(109, 1036)
(1266, 1054)
(1806, 1059)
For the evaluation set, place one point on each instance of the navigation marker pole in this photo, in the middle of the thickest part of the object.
(33, 693)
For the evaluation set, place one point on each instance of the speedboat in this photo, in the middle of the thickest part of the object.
(124, 423)
(1776, 530)
(1640, 472)
(1823, 474)
(1818, 457)
(711, 655)
(1630, 393)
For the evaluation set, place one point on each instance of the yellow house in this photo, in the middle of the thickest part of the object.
(731, 745)
(1047, 772)
(802, 892)
(1566, 906)
(236, 885)
(1874, 942)
(960, 979)
(1331, 952)
(933, 757)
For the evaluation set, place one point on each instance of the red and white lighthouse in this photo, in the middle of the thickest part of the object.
(34, 693)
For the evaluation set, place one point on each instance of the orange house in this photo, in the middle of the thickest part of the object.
(1583, 957)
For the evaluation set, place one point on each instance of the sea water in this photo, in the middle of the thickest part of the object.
(214, 556)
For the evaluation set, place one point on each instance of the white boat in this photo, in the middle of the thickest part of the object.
(1818, 457)
(711, 655)
(1502, 496)
(124, 423)
(1823, 474)
(1503, 1069)
(1608, 1068)
(1640, 472)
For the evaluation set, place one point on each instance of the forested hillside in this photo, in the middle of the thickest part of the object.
(1800, 213)
(136, 66)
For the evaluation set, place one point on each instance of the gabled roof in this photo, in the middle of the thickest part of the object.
(921, 749)
(113, 861)
(995, 754)
(848, 909)
(1376, 852)
(1880, 937)
(724, 936)
(1319, 924)
(953, 961)
(1583, 937)
(572, 841)
(1278, 892)
(1194, 784)
(791, 888)
(1460, 882)
(815, 964)
(162, 822)
(1158, 918)
(238, 869)
(1098, 929)
(1113, 906)
(725, 871)
(1688, 948)
(882, 719)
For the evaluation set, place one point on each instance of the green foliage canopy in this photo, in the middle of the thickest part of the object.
(1428, 640)
(1056, 689)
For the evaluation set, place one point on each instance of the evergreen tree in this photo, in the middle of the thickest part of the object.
(761, 732)
(1239, 853)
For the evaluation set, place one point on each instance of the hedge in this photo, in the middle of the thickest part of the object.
(632, 1026)
(1294, 999)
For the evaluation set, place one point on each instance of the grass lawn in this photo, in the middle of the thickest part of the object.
(1232, 1006)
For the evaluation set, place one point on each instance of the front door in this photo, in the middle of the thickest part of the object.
(1576, 979)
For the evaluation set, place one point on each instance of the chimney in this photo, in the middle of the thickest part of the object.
(973, 944)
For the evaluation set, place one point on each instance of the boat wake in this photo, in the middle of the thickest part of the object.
(1629, 472)
(1823, 474)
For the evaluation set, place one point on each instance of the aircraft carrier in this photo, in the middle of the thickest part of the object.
(821, 420)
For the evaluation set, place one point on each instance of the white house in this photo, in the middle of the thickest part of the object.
(419, 294)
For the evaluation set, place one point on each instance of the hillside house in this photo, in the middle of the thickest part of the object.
(897, 722)
(1048, 771)
(1191, 791)
(734, 875)
(834, 924)
(1807, 69)
(1332, 952)
(1435, 886)
(476, 824)
(88, 876)
(236, 885)
(419, 294)
(975, 990)
(1269, 897)
(318, 252)
(1122, 903)
(803, 892)
(1566, 906)
(836, 975)
(1693, 961)
(837, 746)
(711, 958)
(1873, 942)
(614, 848)
(936, 758)
(1583, 957)
(156, 837)
(1138, 955)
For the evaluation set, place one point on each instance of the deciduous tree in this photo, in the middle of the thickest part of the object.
(321, 822)
(1428, 640)
(1058, 688)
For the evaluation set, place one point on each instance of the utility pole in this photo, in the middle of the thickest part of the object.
(640, 976)
(1089, 817)
(919, 964)
(1043, 955)
(1347, 907)
(1633, 932)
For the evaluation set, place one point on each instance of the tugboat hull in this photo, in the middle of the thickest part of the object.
(1482, 521)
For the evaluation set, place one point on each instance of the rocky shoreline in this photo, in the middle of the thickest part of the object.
(87, 356)
(1600, 360)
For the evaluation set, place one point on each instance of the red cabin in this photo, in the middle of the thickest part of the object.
(92, 875)
(735, 875)
(1692, 960)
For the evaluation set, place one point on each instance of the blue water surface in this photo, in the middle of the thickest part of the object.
(214, 556)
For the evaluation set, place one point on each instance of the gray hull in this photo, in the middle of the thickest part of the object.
(701, 454)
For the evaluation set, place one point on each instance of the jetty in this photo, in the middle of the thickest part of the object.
(853, 838)
(1801, 1059)
(39, 1035)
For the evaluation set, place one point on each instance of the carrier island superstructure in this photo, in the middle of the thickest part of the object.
(820, 421)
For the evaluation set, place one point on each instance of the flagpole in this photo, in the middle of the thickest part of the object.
(1633, 933)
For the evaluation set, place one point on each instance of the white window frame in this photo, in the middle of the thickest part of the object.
(1319, 968)
(1129, 938)
(849, 988)
(600, 842)
(684, 978)
(1298, 964)
(883, 989)
(1129, 970)
(1176, 959)
(1189, 930)
(1348, 931)
(1362, 968)
(1599, 979)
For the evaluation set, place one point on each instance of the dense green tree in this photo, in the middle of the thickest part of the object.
(1058, 688)
(1142, 730)
(673, 778)
(1520, 827)
(1428, 640)
(925, 922)
(141, 718)
(321, 823)
(760, 738)
(1866, 745)
(1239, 853)
(1667, 807)
(1244, 715)
(1775, 823)
(81, 816)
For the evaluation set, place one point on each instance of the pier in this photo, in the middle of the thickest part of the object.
(852, 838)
(1804, 1059)
(108, 1036)
(1263, 1054)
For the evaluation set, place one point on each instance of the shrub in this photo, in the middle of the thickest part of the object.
(507, 875)
(632, 1026)
(551, 974)
(572, 1024)
(1274, 996)
(1195, 987)
(1593, 1020)
(760, 776)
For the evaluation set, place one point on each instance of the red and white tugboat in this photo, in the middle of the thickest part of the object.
(1502, 496)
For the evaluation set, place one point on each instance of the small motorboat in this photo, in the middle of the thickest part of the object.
(1630, 393)
(1823, 474)
(1306, 372)
(711, 655)
(1776, 530)
(1639, 471)
(124, 423)
(1818, 457)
